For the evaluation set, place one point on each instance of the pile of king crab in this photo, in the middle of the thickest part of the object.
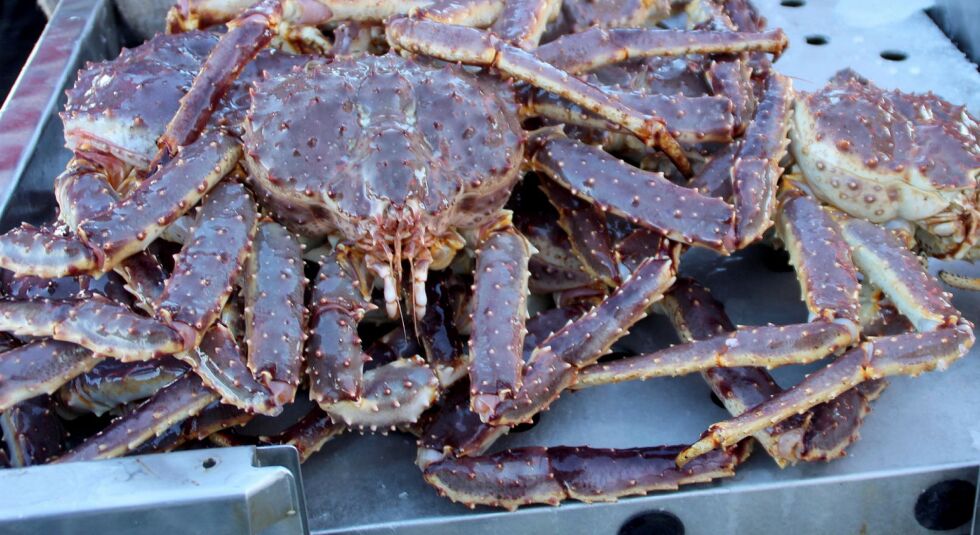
(436, 217)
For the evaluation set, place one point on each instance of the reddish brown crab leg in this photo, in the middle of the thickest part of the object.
(211, 262)
(642, 197)
(94, 323)
(770, 346)
(553, 366)
(82, 194)
(130, 224)
(585, 51)
(445, 351)
(818, 252)
(756, 168)
(553, 267)
(451, 428)
(500, 295)
(248, 33)
(690, 119)
(214, 418)
(43, 252)
(905, 354)
(820, 434)
(309, 434)
(394, 394)
(960, 281)
(275, 311)
(728, 74)
(335, 361)
(173, 403)
(32, 431)
(472, 46)
(532, 475)
(219, 362)
(585, 227)
(523, 22)
(139, 218)
(40, 368)
(888, 265)
(112, 383)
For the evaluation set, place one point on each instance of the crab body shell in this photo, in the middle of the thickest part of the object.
(384, 151)
(893, 157)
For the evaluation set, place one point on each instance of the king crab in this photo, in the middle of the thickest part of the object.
(417, 183)
(413, 183)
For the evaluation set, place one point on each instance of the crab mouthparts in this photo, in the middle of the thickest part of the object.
(387, 258)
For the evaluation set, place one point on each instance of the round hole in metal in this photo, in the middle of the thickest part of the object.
(894, 55)
(792, 3)
(816, 40)
(209, 463)
(653, 523)
(946, 505)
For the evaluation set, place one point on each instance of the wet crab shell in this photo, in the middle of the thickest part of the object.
(884, 155)
(120, 107)
(376, 138)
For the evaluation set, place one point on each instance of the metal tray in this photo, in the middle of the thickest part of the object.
(922, 431)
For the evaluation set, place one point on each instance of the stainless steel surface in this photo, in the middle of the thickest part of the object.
(234, 491)
(921, 431)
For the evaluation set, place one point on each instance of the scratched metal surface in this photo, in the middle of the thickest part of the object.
(921, 430)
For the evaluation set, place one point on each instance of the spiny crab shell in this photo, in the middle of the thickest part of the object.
(390, 153)
(887, 155)
(117, 109)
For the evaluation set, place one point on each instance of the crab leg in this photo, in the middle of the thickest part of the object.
(891, 267)
(384, 397)
(500, 294)
(756, 168)
(214, 418)
(642, 197)
(444, 348)
(136, 220)
(394, 394)
(94, 323)
(472, 46)
(40, 368)
(690, 119)
(83, 193)
(960, 281)
(829, 283)
(905, 354)
(820, 434)
(219, 362)
(45, 253)
(770, 346)
(335, 361)
(586, 229)
(211, 262)
(525, 476)
(275, 312)
(177, 401)
(248, 33)
(727, 75)
(451, 428)
(586, 51)
(553, 267)
(553, 365)
(523, 22)
(309, 434)
(32, 431)
(112, 383)
(130, 224)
